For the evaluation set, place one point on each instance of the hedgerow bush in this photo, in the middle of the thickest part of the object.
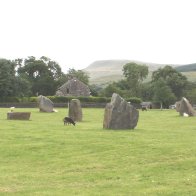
(57, 99)
(134, 100)
(10, 99)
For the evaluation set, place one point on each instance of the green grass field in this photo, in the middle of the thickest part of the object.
(44, 157)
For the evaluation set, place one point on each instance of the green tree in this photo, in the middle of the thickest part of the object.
(191, 92)
(191, 96)
(174, 79)
(11, 84)
(53, 67)
(79, 74)
(95, 89)
(147, 91)
(163, 93)
(22, 87)
(135, 74)
(110, 89)
(42, 74)
(122, 84)
(7, 77)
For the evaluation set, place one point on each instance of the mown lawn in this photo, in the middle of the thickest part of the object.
(44, 157)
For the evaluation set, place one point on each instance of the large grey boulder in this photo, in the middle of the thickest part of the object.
(45, 104)
(75, 110)
(185, 108)
(119, 114)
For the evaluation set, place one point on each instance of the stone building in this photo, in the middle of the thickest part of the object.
(147, 105)
(73, 87)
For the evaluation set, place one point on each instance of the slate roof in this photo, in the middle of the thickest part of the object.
(73, 87)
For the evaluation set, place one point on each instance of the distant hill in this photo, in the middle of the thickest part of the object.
(106, 71)
(186, 68)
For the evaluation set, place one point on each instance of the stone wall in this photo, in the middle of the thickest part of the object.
(56, 105)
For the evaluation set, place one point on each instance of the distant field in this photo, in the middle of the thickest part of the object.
(190, 75)
(44, 157)
(106, 79)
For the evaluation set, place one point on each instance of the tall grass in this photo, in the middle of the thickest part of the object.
(44, 157)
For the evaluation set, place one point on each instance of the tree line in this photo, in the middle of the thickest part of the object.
(166, 86)
(32, 77)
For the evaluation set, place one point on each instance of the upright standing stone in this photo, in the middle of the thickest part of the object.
(119, 114)
(45, 104)
(75, 110)
(177, 106)
(184, 107)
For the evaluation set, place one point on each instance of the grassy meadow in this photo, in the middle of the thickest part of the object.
(44, 157)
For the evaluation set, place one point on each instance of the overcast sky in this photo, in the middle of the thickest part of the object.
(75, 33)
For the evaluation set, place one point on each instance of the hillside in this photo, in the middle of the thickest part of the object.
(187, 68)
(105, 71)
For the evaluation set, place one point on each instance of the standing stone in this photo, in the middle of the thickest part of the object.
(18, 115)
(45, 104)
(184, 107)
(120, 114)
(75, 110)
(177, 106)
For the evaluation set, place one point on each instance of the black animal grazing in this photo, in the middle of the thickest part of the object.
(144, 108)
(68, 120)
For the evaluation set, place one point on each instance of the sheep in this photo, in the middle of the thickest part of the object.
(185, 115)
(12, 109)
(68, 120)
(144, 108)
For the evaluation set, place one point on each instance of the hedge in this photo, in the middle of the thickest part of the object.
(57, 99)
(134, 100)
(82, 99)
